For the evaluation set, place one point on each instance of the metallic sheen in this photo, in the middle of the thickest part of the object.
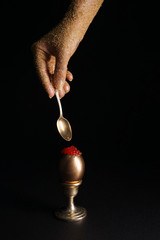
(71, 169)
(71, 213)
(64, 128)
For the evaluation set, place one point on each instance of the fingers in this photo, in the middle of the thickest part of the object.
(53, 73)
(40, 58)
(46, 82)
(44, 76)
(51, 64)
(69, 76)
(66, 86)
(66, 89)
(60, 73)
(45, 70)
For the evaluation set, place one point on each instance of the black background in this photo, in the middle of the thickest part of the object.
(113, 107)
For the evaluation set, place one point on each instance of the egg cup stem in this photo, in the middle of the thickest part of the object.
(71, 213)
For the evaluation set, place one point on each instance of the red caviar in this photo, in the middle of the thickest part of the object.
(71, 151)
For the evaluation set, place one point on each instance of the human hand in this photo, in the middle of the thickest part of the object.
(51, 54)
(53, 51)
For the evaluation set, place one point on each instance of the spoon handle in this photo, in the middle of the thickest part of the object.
(59, 103)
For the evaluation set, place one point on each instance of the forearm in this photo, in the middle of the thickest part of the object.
(80, 15)
(78, 18)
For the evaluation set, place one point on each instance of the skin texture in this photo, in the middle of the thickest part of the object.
(54, 50)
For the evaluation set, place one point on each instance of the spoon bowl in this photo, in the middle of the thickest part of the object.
(64, 128)
(63, 125)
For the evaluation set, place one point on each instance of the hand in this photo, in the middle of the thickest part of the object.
(52, 53)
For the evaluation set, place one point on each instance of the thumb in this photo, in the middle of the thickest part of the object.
(60, 73)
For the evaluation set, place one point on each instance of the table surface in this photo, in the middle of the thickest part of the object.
(118, 207)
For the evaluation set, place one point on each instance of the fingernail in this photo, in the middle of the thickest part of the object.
(50, 92)
(71, 77)
(61, 93)
(67, 88)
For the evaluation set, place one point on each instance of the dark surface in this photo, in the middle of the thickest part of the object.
(114, 111)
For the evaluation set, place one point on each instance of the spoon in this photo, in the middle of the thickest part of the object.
(63, 126)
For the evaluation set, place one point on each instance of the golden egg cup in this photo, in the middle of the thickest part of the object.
(71, 170)
(71, 213)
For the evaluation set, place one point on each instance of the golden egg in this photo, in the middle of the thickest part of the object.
(71, 168)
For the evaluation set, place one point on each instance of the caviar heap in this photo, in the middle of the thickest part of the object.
(71, 151)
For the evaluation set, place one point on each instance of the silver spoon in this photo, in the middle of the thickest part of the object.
(63, 126)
